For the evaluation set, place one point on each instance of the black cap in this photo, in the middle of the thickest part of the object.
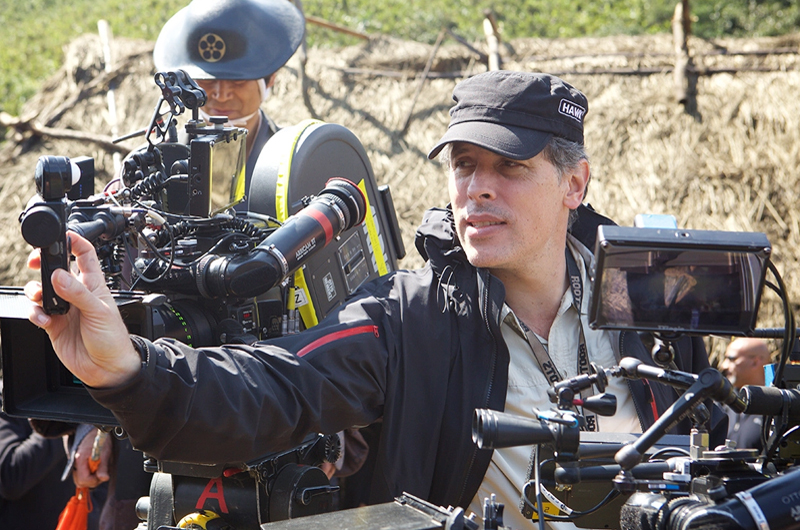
(230, 39)
(514, 114)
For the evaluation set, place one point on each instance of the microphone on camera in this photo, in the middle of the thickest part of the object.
(340, 206)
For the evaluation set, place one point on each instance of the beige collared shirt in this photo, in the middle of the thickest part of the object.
(527, 389)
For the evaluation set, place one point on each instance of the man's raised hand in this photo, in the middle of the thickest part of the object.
(90, 339)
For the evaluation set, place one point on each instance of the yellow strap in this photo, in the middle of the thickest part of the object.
(307, 311)
(372, 231)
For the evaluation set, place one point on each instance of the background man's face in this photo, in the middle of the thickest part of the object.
(234, 99)
(744, 362)
(507, 212)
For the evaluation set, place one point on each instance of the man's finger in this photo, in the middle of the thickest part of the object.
(35, 259)
(33, 290)
(102, 471)
(73, 291)
(85, 254)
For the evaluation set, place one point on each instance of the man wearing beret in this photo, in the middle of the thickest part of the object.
(494, 318)
(233, 50)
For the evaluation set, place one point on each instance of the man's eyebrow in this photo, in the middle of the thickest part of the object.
(458, 149)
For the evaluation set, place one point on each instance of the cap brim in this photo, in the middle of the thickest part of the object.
(518, 143)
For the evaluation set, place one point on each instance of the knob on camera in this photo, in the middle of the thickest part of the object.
(44, 223)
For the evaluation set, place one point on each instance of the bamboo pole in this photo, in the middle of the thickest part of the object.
(304, 82)
(481, 56)
(37, 129)
(335, 27)
(106, 37)
(422, 79)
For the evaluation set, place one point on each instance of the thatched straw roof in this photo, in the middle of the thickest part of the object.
(725, 161)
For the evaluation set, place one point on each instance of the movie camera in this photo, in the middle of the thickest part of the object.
(194, 252)
(668, 283)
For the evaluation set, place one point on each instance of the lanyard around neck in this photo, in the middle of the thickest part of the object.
(546, 363)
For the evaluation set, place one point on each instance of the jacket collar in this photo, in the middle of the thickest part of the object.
(437, 242)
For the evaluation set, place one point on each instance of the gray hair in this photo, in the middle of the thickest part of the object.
(564, 154)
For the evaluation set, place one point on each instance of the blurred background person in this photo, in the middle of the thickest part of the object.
(32, 493)
(233, 50)
(744, 365)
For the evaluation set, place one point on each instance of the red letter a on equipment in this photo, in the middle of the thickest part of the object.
(219, 495)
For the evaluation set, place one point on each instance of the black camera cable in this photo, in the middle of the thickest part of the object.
(789, 336)
(539, 488)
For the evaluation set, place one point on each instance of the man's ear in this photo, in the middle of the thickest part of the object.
(578, 180)
(271, 79)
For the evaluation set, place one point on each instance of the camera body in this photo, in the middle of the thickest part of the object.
(182, 264)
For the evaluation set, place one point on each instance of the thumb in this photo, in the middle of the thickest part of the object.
(102, 471)
(73, 291)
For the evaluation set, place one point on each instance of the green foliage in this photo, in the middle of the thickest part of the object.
(746, 17)
(421, 21)
(36, 30)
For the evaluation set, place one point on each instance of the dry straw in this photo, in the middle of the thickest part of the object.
(726, 161)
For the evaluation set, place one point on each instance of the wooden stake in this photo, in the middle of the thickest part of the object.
(422, 79)
(493, 40)
(106, 37)
(679, 40)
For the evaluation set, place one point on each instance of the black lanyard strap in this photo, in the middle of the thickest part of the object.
(546, 363)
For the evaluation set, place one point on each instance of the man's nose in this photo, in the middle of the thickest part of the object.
(724, 366)
(482, 184)
(220, 90)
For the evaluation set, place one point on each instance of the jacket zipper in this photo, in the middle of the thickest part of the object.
(489, 389)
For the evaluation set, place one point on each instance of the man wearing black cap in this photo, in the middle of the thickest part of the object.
(497, 314)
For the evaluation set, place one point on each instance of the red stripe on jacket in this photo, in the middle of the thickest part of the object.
(336, 336)
(652, 400)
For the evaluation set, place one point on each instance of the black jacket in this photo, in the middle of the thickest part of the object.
(420, 349)
(32, 494)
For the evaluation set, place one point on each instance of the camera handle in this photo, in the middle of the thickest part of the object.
(50, 236)
(180, 92)
(44, 225)
(708, 384)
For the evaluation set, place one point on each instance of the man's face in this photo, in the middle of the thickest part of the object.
(743, 364)
(234, 99)
(509, 212)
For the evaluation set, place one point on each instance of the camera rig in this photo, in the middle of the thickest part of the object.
(184, 266)
(182, 263)
(669, 283)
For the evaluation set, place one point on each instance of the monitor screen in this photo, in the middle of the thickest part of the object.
(217, 172)
(227, 173)
(698, 282)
